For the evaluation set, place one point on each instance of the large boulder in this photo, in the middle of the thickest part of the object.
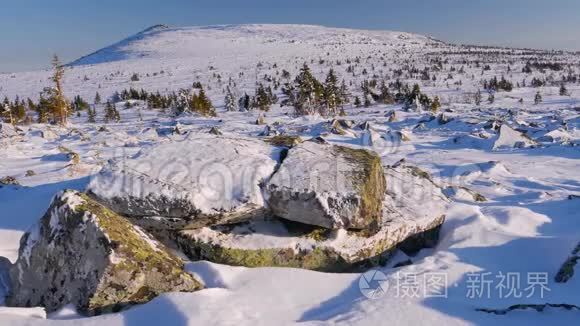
(329, 186)
(411, 219)
(84, 254)
(203, 180)
(510, 138)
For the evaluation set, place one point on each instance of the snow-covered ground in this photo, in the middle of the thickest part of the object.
(526, 228)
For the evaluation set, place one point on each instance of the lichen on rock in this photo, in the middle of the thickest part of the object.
(411, 221)
(84, 254)
(277, 243)
(329, 186)
(284, 141)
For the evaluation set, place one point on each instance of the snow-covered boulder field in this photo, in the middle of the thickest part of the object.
(329, 186)
(408, 222)
(202, 180)
(509, 162)
(84, 254)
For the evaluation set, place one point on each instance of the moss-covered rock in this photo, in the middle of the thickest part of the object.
(84, 254)
(278, 243)
(413, 210)
(284, 141)
(329, 186)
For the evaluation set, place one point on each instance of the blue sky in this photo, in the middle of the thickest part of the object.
(32, 30)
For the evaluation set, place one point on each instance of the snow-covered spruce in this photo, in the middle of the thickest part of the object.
(82, 253)
(329, 186)
(203, 180)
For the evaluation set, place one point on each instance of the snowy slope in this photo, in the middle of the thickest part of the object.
(162, 43)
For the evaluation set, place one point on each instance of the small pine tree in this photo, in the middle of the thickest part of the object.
(6, 112)
(332, 98)
(563, 90)
(367, 101)
(491, 98)
(92, 115)
(78, 104)
(19, 111)
(117, 116)
(436, 104)
(357, 102)
(538, 98)
(230, 103)
(244, 102)
(202, 104)
(478, 97)
(262, 98)
(58, 102)
(306, 94)
(111, 113)
(344, 95)
(43, 109)
(97, 98)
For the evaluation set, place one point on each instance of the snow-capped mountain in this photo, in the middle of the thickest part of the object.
(163, 42)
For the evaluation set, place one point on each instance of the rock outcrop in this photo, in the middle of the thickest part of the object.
(410, 222)
(284, 141)
(329, 186)
(279, 243)
(84, 254)
(413, 210)
(510, 138)
(203, 180)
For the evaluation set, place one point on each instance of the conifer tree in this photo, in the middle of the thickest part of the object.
(244, 102)
(367, 102)
(6, 112)
(78, 104)
(111, 113)
(307, 93)
(230, 103)
(30, 104)
(332, 96)
(478, 97)
(436, 104)
(491, 98)
(203, 104)
(538, 98)
(97, 98)
(43, 109)
(386, 97)
(261, 98)
(344, 94)
(59, 104)
(18, 111)
(563, 90)
(92, 115)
